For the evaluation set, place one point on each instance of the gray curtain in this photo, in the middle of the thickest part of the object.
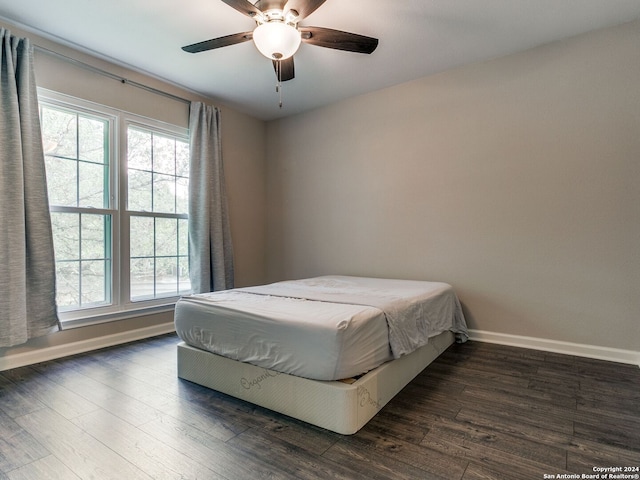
(210, 249)
(27, 275)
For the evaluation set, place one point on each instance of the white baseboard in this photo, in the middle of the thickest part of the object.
(567, 348)
(82, 346)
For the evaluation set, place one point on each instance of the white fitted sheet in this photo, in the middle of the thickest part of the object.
(312, 339)
(325, 328)
(415, 310)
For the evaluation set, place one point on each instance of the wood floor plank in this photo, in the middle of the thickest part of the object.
(124, 406)
(525, 416)
(528, 398)
(123, 365)
(505, 423)
(208, 450)
(467, 376)
(64, 401)
(376, 467)
(487, 436)
(47, 468)
(149, 454)
(518, 366)
(482, 471)
(583, 454)
(83, 454)
(279, 453)
(593, 402)
(422, 402)
(13, 402)
(17, 446)
(314, 440)
(564, 386)
(142, 391)
(615, 433)
(208, 420)
(157, 357)
(421, 456)
(502, 464)
(403, 427)
(599, 374)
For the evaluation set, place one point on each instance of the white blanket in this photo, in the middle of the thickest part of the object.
(414, 310)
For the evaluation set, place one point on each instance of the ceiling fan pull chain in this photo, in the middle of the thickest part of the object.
(279, 82)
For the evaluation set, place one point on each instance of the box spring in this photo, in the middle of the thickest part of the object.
(335, 405)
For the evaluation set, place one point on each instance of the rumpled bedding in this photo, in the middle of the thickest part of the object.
(414, 310)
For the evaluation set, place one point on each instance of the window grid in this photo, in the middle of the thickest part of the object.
(156, 273)
(74, 283)
(181, 286)
(168, 214)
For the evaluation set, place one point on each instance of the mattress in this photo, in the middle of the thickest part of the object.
(319, 340)
(324, 328)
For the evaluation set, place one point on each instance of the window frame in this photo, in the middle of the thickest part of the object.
(160, 128)
(121, 307)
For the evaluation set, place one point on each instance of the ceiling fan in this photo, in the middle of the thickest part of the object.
(277, 34)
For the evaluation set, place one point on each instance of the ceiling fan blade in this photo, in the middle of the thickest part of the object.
(218, 42)
(303, 7)
(284, 69)
(326, 37)
(244, 6)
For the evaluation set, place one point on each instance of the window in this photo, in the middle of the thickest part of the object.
(76, 147)
(158, 193)
(118, 192)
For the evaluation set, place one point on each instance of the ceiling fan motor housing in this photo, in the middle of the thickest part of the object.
(276, 35)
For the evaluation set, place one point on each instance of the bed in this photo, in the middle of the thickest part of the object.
(330, 350)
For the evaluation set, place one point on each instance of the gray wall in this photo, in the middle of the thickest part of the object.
(515, 180)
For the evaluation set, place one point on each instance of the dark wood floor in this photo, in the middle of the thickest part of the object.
(480, 411)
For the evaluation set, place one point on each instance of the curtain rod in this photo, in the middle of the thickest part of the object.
(113, 76)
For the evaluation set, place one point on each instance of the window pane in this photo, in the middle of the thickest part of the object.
(139, 198)
(182, 195)
(164, 197)
(68, 284)
(94, 239)
(164, 155)
(66, 235)
(139, 149)
(142, 278)
(92, 183)
(141, 236)
(183, 236)
(94, 274)
(182, 158)
(166, 237)
(62, 181)
(157, 242)
(185, 282)
(166, 276)
(91, 144)
(59, 133)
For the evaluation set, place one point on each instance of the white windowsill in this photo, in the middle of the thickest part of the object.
(96, 319)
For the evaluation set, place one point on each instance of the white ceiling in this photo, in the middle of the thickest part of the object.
(417, 38)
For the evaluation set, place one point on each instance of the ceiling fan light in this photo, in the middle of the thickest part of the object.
(276, 40)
